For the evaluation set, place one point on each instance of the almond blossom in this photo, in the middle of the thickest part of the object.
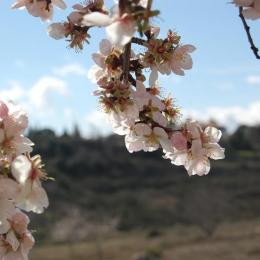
(27, 172)
(8, 195)
(20, 186)
(42, 9)
(57, 31)
(107, 62)
(13, 123)
(181, 59)
(193, 148)
(76, 16)
(77, 36)
(251, 8)
(143, 137)
(17, 241)
(150, 105)
(166, 55)
(120, 28)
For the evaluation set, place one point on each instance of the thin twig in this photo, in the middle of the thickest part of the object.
(247, 29)
(139, 41)
(126, 62)
(127, 49)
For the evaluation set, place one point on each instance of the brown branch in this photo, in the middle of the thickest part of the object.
(126, 62)
(122, 6)
(139, 41)
(249, 37)
(127, 50)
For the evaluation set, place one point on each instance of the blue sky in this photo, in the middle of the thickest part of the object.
(50, 80)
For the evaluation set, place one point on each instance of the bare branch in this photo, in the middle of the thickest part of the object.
(138, 41)
(247, 29)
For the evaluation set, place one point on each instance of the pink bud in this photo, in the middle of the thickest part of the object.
(179, 141)
(3, 110)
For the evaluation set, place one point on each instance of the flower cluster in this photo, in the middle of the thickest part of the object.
(251, 8)
(148, 120)
(166, 55)
(20, 183)
(120, 26)
(74, 30)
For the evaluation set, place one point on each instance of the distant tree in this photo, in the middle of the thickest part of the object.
(76, 132)
(206, 208)
(240, 140)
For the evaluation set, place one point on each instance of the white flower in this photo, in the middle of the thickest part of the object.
(251, 8)
(181, 59)
(122, 127)
(56, 31)
(120, 29)
(8, 194)
(201, 145)
(17, 242)
(3, 110)
(32, 196)
(42, 9)
(144, 99)
(11, 134)
(144, 3)
(103, 69)
(143, 137)
(122, 119)
(95, 73)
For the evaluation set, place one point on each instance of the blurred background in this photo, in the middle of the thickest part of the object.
(107, 204)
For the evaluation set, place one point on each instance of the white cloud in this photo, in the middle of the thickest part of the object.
(254, 80)
(74, 68)
(96, 124)
(229, 117)
(39, 94)
(13, 92)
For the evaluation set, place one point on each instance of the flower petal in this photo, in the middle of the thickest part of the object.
(21, 169)
(96, 19)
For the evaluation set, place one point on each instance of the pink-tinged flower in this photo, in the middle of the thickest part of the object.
(15, 124)
(151, 104)
(8, 194)
(120, 29)
(201, 145)
(179, 141)
(7, 208)
(17, 242)
(19, 222)
(28, 173)
(245, 3)
(141, 96)
(82, 9)
(107, 62)
(42, 9)
(95, 73)
(251, 8)
(166, 56)
(120, 119)
(122, 127)
(143, 137)
(12, 140)
(3, 110)
(181, 59)
(56, 30)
